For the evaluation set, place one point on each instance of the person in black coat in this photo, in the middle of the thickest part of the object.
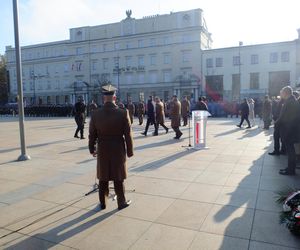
(289, 123)
(201, 105)
(150, 116)
(276, 135)
(244, 109)
(79, 111)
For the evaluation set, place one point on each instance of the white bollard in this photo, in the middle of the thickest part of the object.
(199, 118)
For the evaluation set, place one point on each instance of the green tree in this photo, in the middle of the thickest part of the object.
(3, 80)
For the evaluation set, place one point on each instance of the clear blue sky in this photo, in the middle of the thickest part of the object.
(229, 21)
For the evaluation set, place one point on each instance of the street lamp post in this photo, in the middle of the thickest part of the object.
(23, 156)
(34, 77)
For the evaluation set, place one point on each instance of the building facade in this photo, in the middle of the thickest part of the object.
(156, 55)
(159, 55)
(251, 71)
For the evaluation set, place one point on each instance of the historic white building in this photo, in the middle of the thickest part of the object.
(252, 71)
(158, 55)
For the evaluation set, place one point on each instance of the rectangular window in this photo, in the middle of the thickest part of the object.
(94, 65)
(141, 77)
(128, 60)
(128, 45)
(141, 61)
(116, 61)
(141, 43)
(79, 51)
(274, 57)
(128, 78)
(117, 46)
(219, 62)
(166, 40)
(153, 76)
(152, 59)
(236, 60)
(254, 80)
(104, 47)
(94, 49)
(167, 76)
(186, 55)
(152, 42)
(167, 58)
(105, 63)
(209, 63)
(285, 56)
(254, 59)
(79, 66)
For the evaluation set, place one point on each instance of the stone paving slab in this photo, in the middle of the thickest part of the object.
(220, 198)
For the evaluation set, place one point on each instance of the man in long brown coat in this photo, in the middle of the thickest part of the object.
(185, 110)
(175, 109)
(110, 128)
(141, 112)
(160, 115)
(131, 109)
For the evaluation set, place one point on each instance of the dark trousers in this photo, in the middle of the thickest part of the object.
(292, 158)
(157, 127)
(177, 131)
(185, 120)
(119, 190)
(80, 126)
(244, 118)
(149, 121)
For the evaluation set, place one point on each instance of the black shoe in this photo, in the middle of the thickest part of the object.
(249, 127)
(126, 204)
(76, 136)
(238, 126)
(102, 206)
(286, 172)
(167, 130)
(274, 153)
(155, 134)
(282, 152)
(81, 138)
(144, 134)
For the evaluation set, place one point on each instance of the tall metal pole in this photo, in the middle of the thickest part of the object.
(23, 156)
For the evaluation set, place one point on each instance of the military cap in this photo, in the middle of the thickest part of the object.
(108, 90)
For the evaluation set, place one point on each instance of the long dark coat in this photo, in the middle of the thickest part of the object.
(267, 111)
(185, 108)
(110, 128)
(160, 113)
(175, 110)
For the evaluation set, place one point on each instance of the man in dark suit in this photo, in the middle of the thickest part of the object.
(289, 123)
(110, 128)
(244, 108)
(79, 111)
(150, 115)
(201, 105)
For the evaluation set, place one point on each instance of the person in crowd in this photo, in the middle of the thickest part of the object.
(289, 123)
(79, 110)
(131, 109)
(201, 104)
(277, 129)
(141, 111)
(244, 110)
(93, 106)
(175, 110)
(185, 110)
(267, 112)
(159, 116)
(110, 128)
(251, 112)
(150, 116)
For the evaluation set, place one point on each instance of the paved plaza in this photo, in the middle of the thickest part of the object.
(219, 198)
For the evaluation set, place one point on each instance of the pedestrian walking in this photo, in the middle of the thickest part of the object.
(267, 112)
(159, 116)
(244, 109)
(110, 128)
(150, 116)
(141, 112)
(131, 109)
